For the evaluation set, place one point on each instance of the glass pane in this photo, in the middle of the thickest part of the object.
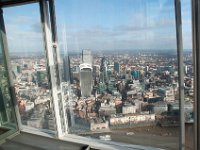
(7, 112)
(120, 71)
(29, 66)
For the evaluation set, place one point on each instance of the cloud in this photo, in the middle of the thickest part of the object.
(37, 27)
(19, 19)
(123, 37)
(140, 32)
(24, 33)
(162, 23)
(144, 30)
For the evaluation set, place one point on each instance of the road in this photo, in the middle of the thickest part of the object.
(159, 137)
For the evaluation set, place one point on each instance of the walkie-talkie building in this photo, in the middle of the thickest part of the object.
(86, 79)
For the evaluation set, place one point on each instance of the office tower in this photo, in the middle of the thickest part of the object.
(186, 69)
(86, 73)
(1, 60)
(86, 56)
(147, 68)
(135, 74)
(2, 106)
(19, 69)
(103, 69)
(41, 76)
(94, 73)
(86, 79)
(67, 69)
(75, 73)
(116, 67)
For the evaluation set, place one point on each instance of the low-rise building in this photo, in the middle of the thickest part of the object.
(120, 120)
(107, 110)
(128, 109)
(29, 106)
(96, 126)
(160, 107)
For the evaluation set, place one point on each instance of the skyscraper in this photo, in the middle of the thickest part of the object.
(186, 69)
(116, 67)
(67, 69)
(94, 73)
(42, 76)
(86, 79)
(87, 56)
(104, 69)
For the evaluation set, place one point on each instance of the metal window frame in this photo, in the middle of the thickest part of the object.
(16, 2)
(51, 64)
(179, 40)
(196, 62)
(57, 61)
(50, 45)
(8, 65)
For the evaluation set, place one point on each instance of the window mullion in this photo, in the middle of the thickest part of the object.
(8, 65)
(51, 63)
(180, 72)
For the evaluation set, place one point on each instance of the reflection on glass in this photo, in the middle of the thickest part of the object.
(7, 113)
(120, 71)
(29, 68)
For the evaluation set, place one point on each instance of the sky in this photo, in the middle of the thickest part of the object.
(101, 25)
